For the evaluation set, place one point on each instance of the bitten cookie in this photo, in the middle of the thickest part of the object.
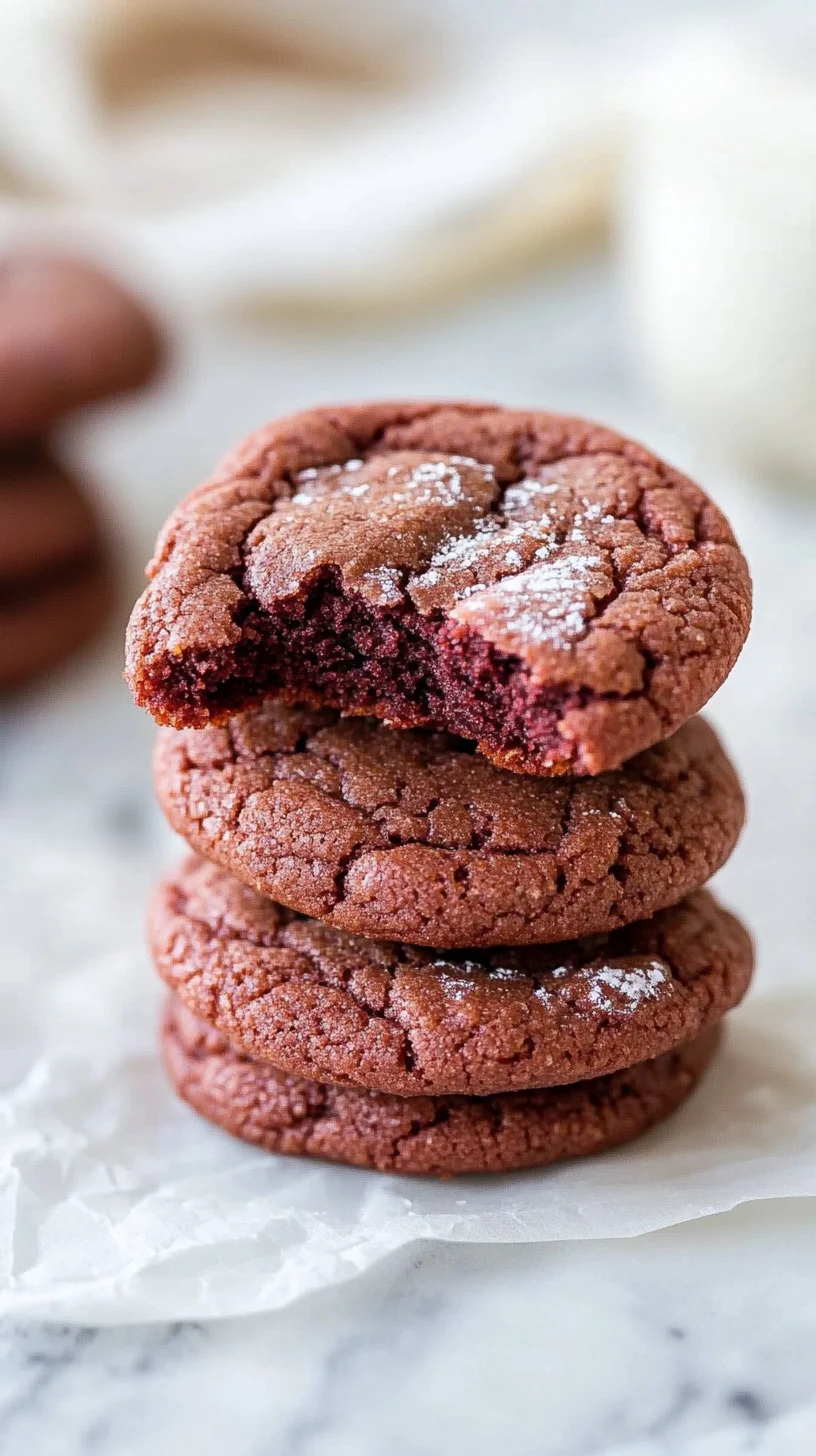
(540, 585)
(433, 1135)
(319, 1003)
(407, 836)
(69, 335)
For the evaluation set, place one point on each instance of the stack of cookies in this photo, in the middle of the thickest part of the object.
(69, 337)
(428, 675)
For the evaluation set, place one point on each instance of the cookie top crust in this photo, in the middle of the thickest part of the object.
(317, 1002)
(407, 836)
(70, 334)
(440, 1136)
(534, 582)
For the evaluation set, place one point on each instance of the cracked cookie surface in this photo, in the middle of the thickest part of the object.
(320, 1003)
(537, 584)
(407, 836)
(440, 1136)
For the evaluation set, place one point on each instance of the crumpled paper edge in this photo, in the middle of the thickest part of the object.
(758, 1104)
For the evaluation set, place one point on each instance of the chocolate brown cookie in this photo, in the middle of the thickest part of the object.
(407, 836)
(433, 1135)
(534, 583)
(55, 589)
(46, 519)
(69, 335)
(41, 625)
(319, 1003)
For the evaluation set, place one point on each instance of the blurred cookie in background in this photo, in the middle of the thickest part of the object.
(70, 335)
(55, 583)
(47, 521)
(41, 627)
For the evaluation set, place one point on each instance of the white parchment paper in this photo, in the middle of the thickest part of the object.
(119, 1204)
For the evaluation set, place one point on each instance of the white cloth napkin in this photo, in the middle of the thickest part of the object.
(296, 151)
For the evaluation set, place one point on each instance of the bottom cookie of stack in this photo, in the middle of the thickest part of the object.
(441, 1136)
(307, 1040)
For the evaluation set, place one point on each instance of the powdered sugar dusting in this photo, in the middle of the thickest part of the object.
(384, 586)
(458, 979)
(616, 988)
(454, 987)
(461, 553)
(435, 481)
(427, 483)
(552, 601)
(534, 556)
(545, 994)
(319, 474)
(526, 493)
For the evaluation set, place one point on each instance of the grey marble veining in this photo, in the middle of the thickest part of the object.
(705, 1331)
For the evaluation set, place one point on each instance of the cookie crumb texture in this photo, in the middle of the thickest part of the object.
(319, 1003)
(534, 583)
(441, 1136)
(407, 836)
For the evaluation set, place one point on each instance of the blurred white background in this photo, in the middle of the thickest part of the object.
(605, 207)
(298, 158)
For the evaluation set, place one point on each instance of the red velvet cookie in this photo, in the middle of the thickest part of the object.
(55, 588)
(407, 836)
(38, 629)
(46, 519)
(319, 1003)
(69, 335)
(441, 1136)
(537, 584)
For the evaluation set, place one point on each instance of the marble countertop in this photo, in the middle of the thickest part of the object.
(700, 1339)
